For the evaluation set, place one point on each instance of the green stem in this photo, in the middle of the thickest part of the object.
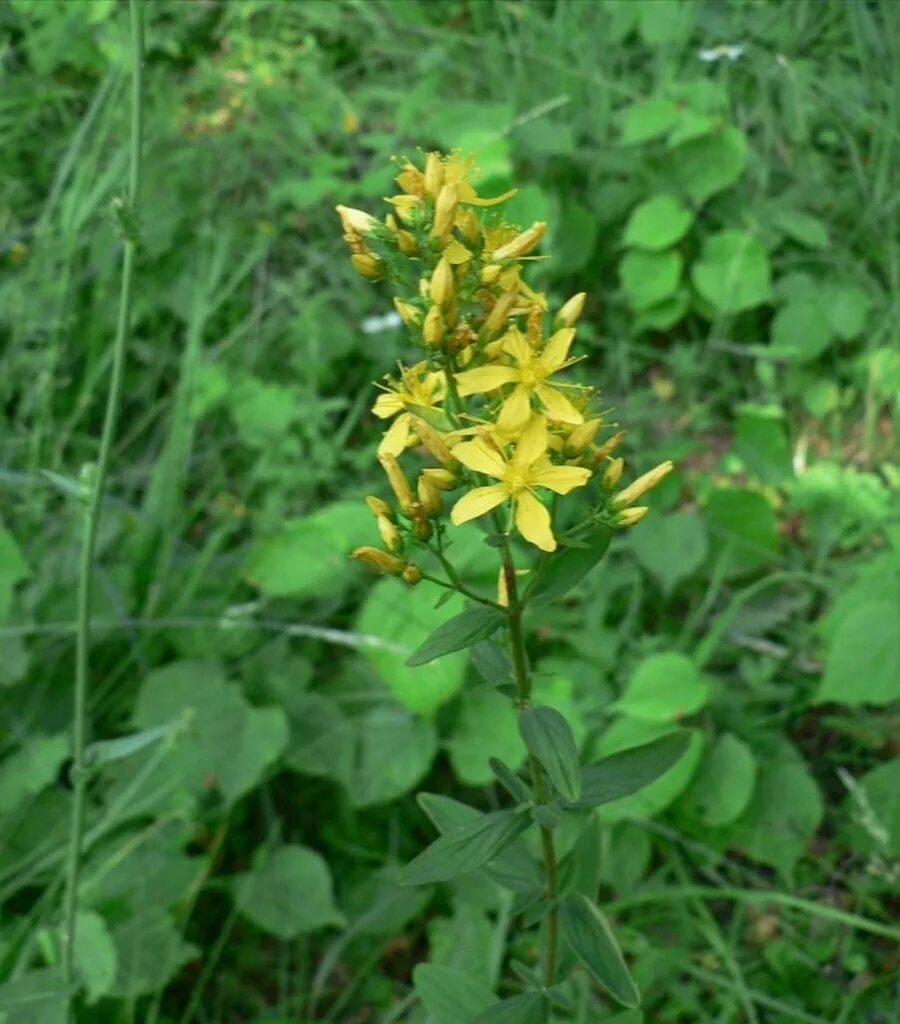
(523, 693)
(94, 498)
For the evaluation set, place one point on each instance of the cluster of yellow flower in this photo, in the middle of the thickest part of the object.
(487, 403)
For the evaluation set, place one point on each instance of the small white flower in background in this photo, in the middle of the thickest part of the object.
(377, 324)
(723, 52)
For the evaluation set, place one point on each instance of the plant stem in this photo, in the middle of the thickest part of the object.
(94, 496)
(523, 692)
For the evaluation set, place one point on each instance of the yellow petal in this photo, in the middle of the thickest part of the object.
(533, 521)
(533, 442)
(387, 405)
(516, 346)
(557, 348)
(515, 411)
(476, 503)
(397, 437)
(478, 456)
(485, 378)
(560, 479)
(557, 405)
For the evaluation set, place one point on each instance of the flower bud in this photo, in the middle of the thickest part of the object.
(608, 447)
(612, 474)
(366, 265)
(490, 273)
(356, 222)
(378, 507)
(411, 180)
(433, 441)
(497, 317)
(570, 311)
(406, 243)
(443, 286)
(630, 516)
(429, 496)
(421, 526)
(445, 210)
(434, 174)
(434, 327)
(443, 479)
(409, 314)
(412, 575)
(398, 482)
(469, 227)
(582, 437)
(390, 535)
(380, 560)
(643, 484)
(522, 244)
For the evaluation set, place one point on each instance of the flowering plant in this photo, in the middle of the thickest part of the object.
(499, 435)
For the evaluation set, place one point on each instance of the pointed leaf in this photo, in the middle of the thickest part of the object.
(592, 941)
(567, 568)
(631, 770)
(461, 631)
(549, 737)
(451, 996)
(527, 1008)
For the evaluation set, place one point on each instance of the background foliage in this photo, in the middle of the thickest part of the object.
(721, 179)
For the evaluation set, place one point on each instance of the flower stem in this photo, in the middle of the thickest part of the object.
(94, 487)
(523, 693)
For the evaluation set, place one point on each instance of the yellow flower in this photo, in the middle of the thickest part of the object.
(527, 469)
(530, 376)
(417, 387)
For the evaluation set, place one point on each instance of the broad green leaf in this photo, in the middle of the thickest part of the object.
(575, 239)
(549, 737)
(402, 621)
(526, 1008)
(591, 939)
(149, 953)
(724, 783)
(880, 821)
(288, 893)
(761, 440)
(486, 727)
(96, 959)
(670, 547)
(465, 848)
(462, 631)
(395, 751)
(707, 164)
(782, 817)
(862, 665)
(24, 773)
(262, 412)
(630, 770)
(732, 273)
(311, 556)
(664, 314)
(463, 941)
(648, 120)
(664, 687)
(322, 738)
(450, 996)
(801, 329)
(742, 529)
(658, 223)
(37, 997)
(846, 307)
(567, 568)
(802, 227)
(648, 278)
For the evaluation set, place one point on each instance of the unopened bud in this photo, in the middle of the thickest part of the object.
(411, 180)
(443, 285)
(445, 210)
(380, 560)
(630, 516)
(406, 243)
(490, 273)
(582, 437)
(409, 314)
(469, 227)
(522, 244)
(390, 535)
(433, 441)
(443, 479)
(434, 327)
(434, 174)
(429, 496)
(356, 221)
(612, 474)
(570, 311)
(421, 526)
(398, 482)
(497, 318)
(378, 507)
(643, 484)
(367, 265)
(608, 447)
(412, 574)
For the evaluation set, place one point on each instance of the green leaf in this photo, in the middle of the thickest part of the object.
(37, 997)
(33, 767)
(463, 941)
(450, 996)
(801, 329)
(462, 631)
(464, 848)
(322, 738)
(549, 737)
(803, 228)
(708, 164)
(526, 1008)
(486, 726)
(664, 314)
(288, 893)
(630, 770)
(567, 568)
(648, 120)
(847, 308)
(761, 441)
(880, 821)
(732, 273)
(511, 782)
(575, 238)
(742, 528)
(395, 751)
(96, 959)
(13, 569)
(649, 277)
(724, 783)
(104, 751)
(658, 223)
(591, 939)
(664, 687)
(402, 622)
(862, 665)
(149, 953)
(670, 547)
